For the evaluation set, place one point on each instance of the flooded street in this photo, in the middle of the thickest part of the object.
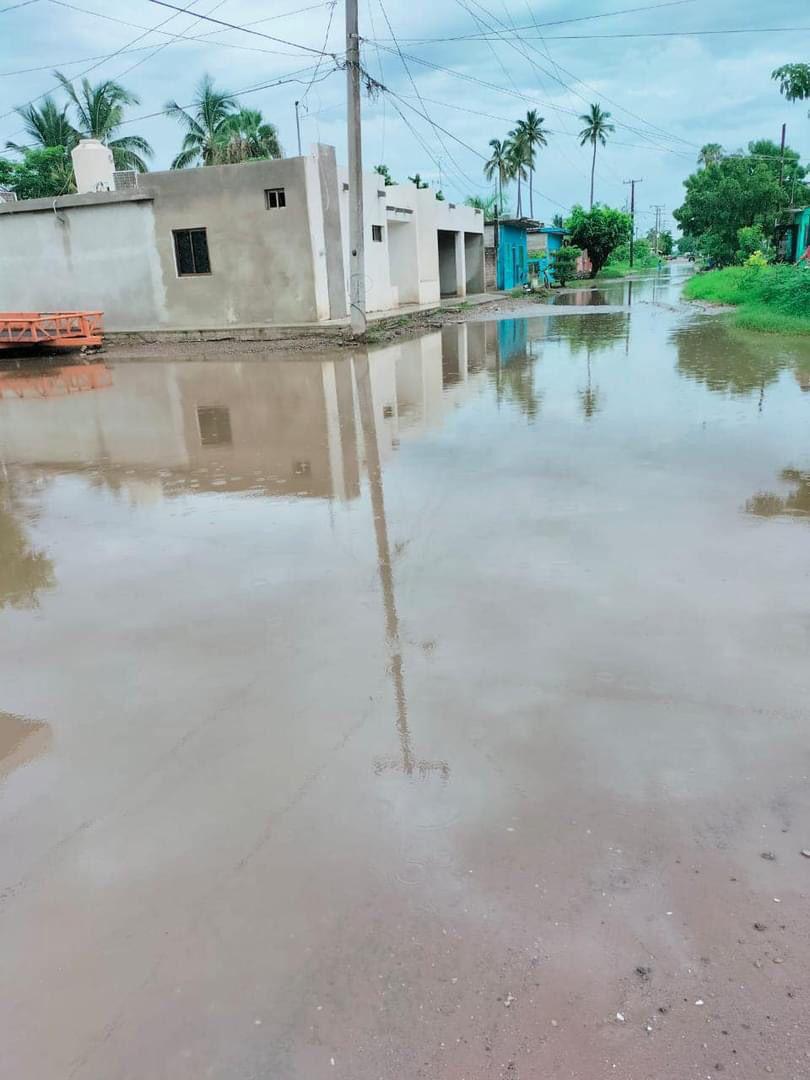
(440, 712)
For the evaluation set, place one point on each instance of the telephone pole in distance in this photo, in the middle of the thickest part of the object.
(632, 184)
(357, 253)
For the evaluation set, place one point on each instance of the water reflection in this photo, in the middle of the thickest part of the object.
(727, 362)
(794, 504)
(21, 741)
(24, 571)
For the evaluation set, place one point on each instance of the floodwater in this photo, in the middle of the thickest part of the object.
(419, 714)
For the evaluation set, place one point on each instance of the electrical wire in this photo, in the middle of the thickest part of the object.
(320, 58)
(246, 30)
(638, 34)
(13, 7)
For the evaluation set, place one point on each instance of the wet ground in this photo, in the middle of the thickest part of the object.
(436, 713)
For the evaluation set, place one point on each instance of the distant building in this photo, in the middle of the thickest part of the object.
(543, 241)
(230, 246)
(797, 237)
(507, 252)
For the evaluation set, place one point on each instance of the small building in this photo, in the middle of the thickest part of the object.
(797, 237)
(543, 241)
(230, 246)
(507, 253)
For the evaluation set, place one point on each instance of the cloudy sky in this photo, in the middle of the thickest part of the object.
(478, 65)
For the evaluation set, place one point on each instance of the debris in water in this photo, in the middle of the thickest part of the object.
(760, 926)
(507, 1001)
(806, 852)
(644, 972)
(769, 855)
(700, 1001)
(620, 1017)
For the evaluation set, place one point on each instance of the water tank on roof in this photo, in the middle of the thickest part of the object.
(93, 166)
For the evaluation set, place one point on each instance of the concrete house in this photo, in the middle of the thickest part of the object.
(542, 242)
(797, 236)
(507, 252)
(258, 244)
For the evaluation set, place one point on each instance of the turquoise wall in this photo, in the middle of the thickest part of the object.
(513, 257)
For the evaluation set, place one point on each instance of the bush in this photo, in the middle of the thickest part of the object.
(564, 263)
(770, 298)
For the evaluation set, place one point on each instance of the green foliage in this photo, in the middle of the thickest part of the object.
(247, 136)
(752, 239)
(596, 130)
(665, 243)
(418, 182)
(487, 204)
(599, 230)
(769, 298)
(99, 113)
(46, 125)
(564, 263)
(686, 244)
(498, 166)
(206, 125)
(710, 154)
(644, 258)
(41, 174)
(794, 81)
(738, 192)
(385, 173)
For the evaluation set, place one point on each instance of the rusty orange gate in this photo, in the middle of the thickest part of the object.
(58, 329)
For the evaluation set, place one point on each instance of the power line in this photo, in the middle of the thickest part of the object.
(245, 30)
(13, 7)
(600, 37)
(325, 43)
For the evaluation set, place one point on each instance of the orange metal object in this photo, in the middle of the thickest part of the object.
(58, 329)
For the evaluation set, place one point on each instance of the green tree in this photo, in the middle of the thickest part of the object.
(99, 113)
(385, 173)
(206, 125)
(41, 174)
(486, 203)
(665, 242)
(249, 137)
(518, 154)
(596, 130)
(752, 238)
(600, 230)
(739, 191)
(710, 154)
(24, 570)
(498, 166)
(564, 263)
(794, 81)
(46, 126)
(557, 221)
(534, 136)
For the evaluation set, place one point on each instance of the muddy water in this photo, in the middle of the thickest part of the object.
(423, 714)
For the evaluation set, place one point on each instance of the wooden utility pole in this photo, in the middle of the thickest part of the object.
(658, 220)
(357, 254)
(632, 184)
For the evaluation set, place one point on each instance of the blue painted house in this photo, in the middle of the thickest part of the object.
(507, 253)
(798, 234)
(543, 241)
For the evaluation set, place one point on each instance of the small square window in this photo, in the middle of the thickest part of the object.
(274, 198)
(191, 251)
(376, 233)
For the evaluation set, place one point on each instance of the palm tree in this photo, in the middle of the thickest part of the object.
(249, 138)
(486, 204)
(206, 126)
(596, 130)
(100, 112)
(518, 152)
(498, 165)
(710, 154)
(534, 136)
(47, 126)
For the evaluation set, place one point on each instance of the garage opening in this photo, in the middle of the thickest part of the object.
(448, 278)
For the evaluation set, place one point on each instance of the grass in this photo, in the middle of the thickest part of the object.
(624, 269)
(768, 299)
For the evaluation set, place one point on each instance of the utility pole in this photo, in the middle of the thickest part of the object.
(632, 184)
(357, 254)
(658, 217)
(782, 157)
(298, 127)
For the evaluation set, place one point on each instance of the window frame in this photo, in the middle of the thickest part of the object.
(193, 273)
(268, 192)
(377, 235)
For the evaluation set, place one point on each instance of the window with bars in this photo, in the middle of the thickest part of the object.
(191, 251)
(274, 198)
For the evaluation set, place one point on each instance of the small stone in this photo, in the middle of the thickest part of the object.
(760, 926)
(554, 1023)
(620, 1017)
(507, 1001)
(778, 960)
(644, 972)
(806, 852)
(700, 1001)
(769, 855)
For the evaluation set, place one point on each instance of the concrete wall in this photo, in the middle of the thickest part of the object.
(83, 256)
(262, 267)
(474, 261)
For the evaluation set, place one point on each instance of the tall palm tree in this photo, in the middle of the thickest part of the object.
(485, 203)
(710, 154)
(206, 125)
(99, 112)
(534, 136)
(596, 130)
(249, 137)
(498, 166)
(46, 126)
(518, 151)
